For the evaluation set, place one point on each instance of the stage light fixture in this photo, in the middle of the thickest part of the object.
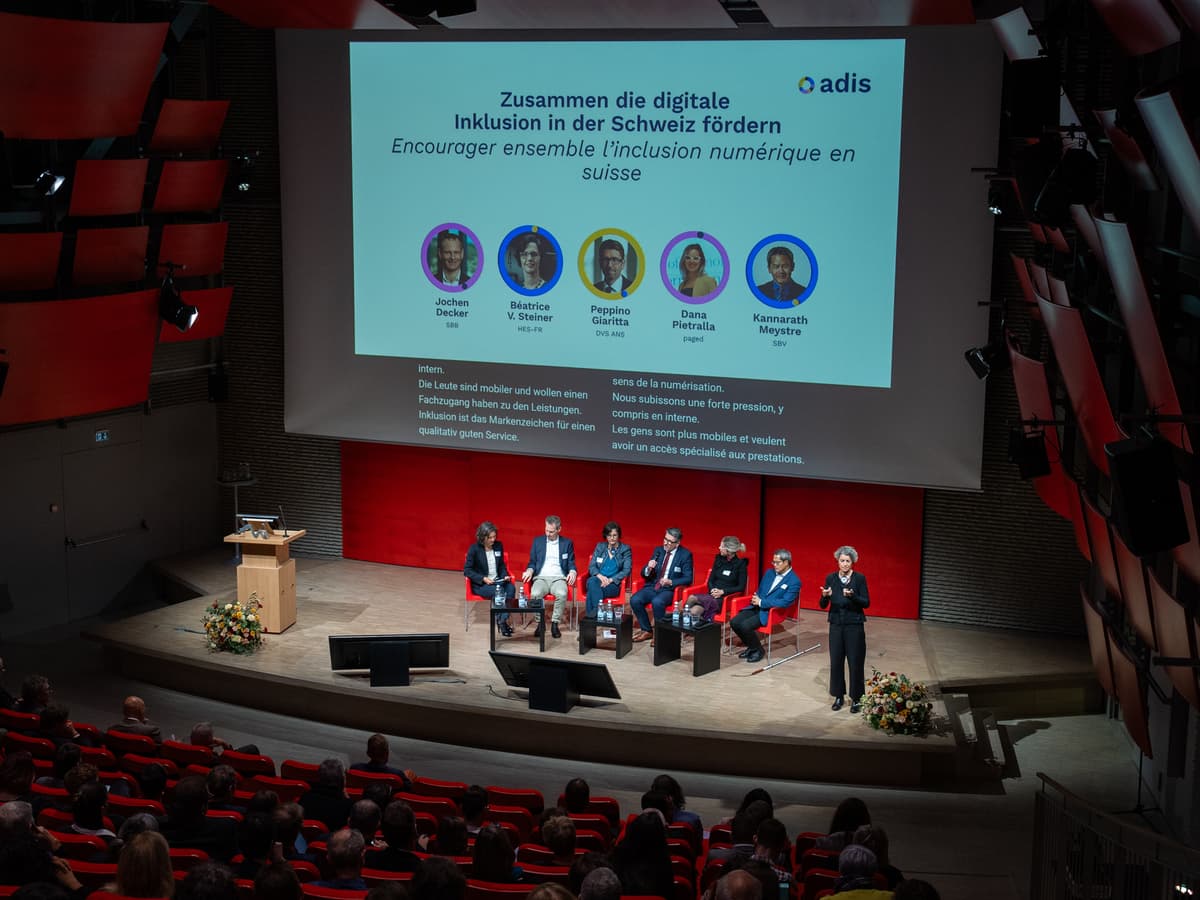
(172, 309)
(995, 203)
(986, 360)
(47, 183)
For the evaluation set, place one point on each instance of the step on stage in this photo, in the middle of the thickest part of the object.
(775, 724)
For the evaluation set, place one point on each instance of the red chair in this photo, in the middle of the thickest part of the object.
(89, 731)
(293, 768)
(183, 858)
(805, 840)
(723, 616)
(133, 763)
(11, 720)
(100, 757)
(249, 765)
(245, 888)
(128, 806)
(312, 829)
(305, 870)
(429, 787)
(817, 880)
(92, 875)
(516, 816)
(37, 747)
(776, 616)
(681, 846)
(382, 876)
(685, 888)
(535, 853)
(592, 822)
(184, 755)
(528, 798)
(225, 814)
(55, 819)
(720, 835)
(58, 795)
(310, 889)
(122, 742)
(713, 870)
(540, 874)
(491, 890)
(435, 806)
(814, 858)
(605, 806)
(356, 778)
(682, 865)
(289, 790)
(592, 840)
(426, 824)
(79, 846)
(124, 778)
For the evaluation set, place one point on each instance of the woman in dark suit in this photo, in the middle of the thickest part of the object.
(485, 569)
(608, 568)
(845, 596)
(728, 576)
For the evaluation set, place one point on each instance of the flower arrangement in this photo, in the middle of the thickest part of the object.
(234, 627)
(897, 704)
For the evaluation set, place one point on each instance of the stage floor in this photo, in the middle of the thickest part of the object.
(777, 723)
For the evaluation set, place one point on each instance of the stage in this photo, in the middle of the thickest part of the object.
(774, 724)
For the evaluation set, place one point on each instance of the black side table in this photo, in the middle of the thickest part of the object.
(588, 628)
(706, 645)
(513, 607)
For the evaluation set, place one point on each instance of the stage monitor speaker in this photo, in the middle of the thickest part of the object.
(1028, 451)
(1147, 506)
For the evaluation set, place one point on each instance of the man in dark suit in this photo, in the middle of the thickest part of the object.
(780, 586)
(670, 567)
(612, 263)
(781, 263)
(188, 826)
(551, 570)
(135, 721)
(400, 835)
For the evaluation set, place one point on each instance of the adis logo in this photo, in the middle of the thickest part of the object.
(847, 83)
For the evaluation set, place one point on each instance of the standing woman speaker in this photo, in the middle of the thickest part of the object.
(845, 595)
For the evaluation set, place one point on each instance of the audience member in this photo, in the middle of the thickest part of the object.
(494, 858)
(742, 832)
(378, 754)
(875, 839)
(400, 838)
(41, 890)
(35, 694)
(600, 884)
(856, 871)
(188, 826)
(766, 875)
(263, 801)
(326, 801)
(134, 721)
(674, 792)
(202, 736)
(771, 846)
(451, 838)
(558, 834)
(87, 811)
(152, 780)
(584, 865)
(222, 781)
(256, 840)
(577, 796)
(550, 891)
(66, 757)
(16, 820)
(277, 881)
(144, 867)
(56, 725)
(379, 792)
(474, 808)
(289, 824)
(16, 777)
(344, 856)
(26, 859)
(437, 878)
(642, 860)
(135, 825)
(388, 890)
(915, 889)
(364, 818)
(208, 880)
(83, 773)
(850, 814)
(738, 885)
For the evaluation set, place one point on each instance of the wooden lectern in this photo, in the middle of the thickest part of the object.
(268, 570)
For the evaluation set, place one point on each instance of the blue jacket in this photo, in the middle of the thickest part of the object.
(681, 567)
(783, 595)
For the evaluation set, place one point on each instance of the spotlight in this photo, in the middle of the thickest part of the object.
(986, 360)
(995, 202)
(172, 309)
(47, 184)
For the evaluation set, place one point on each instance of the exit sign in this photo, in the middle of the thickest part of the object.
(101, 436)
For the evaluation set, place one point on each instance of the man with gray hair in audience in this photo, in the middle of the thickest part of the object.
(856, 874)
(327, 801)
(600, 884)
(345, 857)
(738, 885)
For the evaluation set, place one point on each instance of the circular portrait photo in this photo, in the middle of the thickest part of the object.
(452, 257)
(694, 267)
(530, 260)
(781, 270)
(610, 263)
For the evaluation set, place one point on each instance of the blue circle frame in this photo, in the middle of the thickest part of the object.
(507, 278)
(771, 301)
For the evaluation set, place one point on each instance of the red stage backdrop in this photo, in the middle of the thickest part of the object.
(417, 506)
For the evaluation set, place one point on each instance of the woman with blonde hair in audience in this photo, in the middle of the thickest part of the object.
(144, 867)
